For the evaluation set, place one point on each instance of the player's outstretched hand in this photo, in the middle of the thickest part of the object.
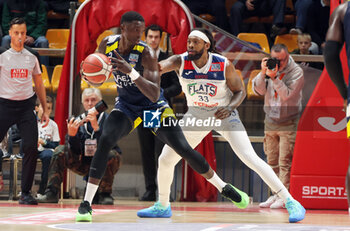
(119, 64)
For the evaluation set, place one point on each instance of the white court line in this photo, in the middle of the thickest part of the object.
(55, 227)
(217, 227)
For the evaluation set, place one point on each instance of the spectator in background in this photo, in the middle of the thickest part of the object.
(304, 44)
(34, 13)
(312, 17)
(151, 146)
(48, 140)
(59, 6)
(282, 86)
(247, 8)
(216, 8)
(76, 154)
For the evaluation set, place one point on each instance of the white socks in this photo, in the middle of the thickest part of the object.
(90, 192)
(217, 182)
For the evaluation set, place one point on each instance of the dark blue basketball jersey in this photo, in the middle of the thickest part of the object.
(130, 99)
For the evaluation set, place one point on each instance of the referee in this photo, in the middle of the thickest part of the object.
(18, 67)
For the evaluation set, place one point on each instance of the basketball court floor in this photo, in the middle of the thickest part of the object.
(187, 216)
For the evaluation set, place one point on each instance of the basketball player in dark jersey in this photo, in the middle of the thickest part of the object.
(338, 33)
(137, 77)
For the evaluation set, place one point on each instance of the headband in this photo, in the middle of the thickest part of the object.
(200, 35)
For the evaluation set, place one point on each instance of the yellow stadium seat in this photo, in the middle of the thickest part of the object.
(58, 38)
(102, 36)
(259, 38)
(45, 78)
(290, 40)
(56, 75)
(84, 85)
(250, 93)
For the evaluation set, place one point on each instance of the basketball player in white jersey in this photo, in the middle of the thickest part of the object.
(213, 89)
(18, 68)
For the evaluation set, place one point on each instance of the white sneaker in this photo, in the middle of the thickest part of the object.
(268, 202)
(39, 196)
(278, 204)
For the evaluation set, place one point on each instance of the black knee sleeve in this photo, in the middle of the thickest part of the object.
(116, 126)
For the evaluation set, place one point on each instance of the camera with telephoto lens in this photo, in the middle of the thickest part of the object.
(101, 106)
(271, 63)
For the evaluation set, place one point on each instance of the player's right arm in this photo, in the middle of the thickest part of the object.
(334, 44)
(102, 46)
(173, 63)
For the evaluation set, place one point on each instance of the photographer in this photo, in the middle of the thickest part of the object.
(281, 81)
(83, 138)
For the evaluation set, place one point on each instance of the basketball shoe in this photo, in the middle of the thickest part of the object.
(268, 202)
(157, 210)
(84, 212)
(239, 198)
(278, 204)
(296, 210)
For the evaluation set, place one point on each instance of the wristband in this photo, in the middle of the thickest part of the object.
(134, 75)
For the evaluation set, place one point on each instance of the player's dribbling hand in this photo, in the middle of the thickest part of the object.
(119, 64)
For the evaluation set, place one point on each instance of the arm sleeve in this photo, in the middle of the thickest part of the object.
(173, 87)
(334, 67)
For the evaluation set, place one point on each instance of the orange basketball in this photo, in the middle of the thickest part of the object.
(96, 69)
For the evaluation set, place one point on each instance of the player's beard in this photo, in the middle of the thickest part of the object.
(196, 56)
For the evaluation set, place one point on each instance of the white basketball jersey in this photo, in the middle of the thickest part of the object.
(205, 87)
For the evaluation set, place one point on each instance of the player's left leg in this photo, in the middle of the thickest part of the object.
(238, 138)
(116, 126)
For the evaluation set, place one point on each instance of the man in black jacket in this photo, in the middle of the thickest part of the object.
(151, 147)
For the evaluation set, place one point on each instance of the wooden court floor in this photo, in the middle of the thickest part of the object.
(186, 216)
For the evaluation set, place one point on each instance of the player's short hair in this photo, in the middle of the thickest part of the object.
(89, 91)
(17, 21)
(154, 27)
(279, 47)
(131, 16)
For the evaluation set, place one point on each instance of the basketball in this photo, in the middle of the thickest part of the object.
(96, 69)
